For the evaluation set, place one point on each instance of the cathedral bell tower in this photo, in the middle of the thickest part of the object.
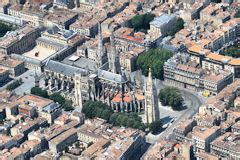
(112, 54)
(78, 93)
(151, 100)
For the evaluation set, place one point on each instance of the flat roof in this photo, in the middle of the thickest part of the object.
(43, 53)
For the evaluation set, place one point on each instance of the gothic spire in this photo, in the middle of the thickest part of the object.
(100, 46)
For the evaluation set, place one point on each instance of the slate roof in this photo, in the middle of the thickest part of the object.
(62, 68)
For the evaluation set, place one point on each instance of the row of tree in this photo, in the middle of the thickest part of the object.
(127, 120)
(56, 97)
(14, 84)
(154, 59)
(171, 96)
(98, 109)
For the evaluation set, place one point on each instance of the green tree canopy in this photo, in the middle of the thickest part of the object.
(155, 127)
(14, 84)
(179, 25)
(127, 120)
(39, 92)
(67, 105)
(57, 97)
(98, 109)
(141, 22)
(171, 96)
(154, 59)
(237, 15)
(4, 28)
(233, 51)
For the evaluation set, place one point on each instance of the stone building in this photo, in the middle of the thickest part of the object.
(161, 25)
(215, 13)
(102, 81)
(19, 40)
(184, 127)
(15, 67)
(226, 146)
(54, 43)
(183, 72)
(236, 127)
(202, 137)
(4, 75)
(31, 13)
(60, 142)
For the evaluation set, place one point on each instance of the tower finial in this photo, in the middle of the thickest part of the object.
(149, 72)
(149, 75)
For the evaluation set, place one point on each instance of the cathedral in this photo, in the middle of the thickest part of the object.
(109, 83)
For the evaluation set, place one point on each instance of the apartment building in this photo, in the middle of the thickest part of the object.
(19, 40)
(226, 146)
(202, 137)
(183, 128)
(29, 12)
(63, 140)
(128, 58)
(14, 66)
(215, 13)
(183, 72)
(4, 75)
(236, 127)
(60, 17)
(160, 26)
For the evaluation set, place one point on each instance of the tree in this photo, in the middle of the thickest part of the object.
(77, 144)
(233, 51)
(141, 22)
(237, 15)
(39, 92)
(93, 109)
(154, 59)
(137, 22)
(155, 127)
(106, 114)
(98, 109)
(171, 96)
(67, 105)
(88, 109)
(57, 97)
(113, 118)
(14, 85)
(4, 28)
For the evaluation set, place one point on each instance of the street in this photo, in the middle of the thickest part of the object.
(192, 101)
(28, 82)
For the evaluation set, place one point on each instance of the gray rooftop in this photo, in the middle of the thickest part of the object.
(163, 19)
(62, 68)
(51, 107)
(11, 19)
(112, 77)
(82, 62)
